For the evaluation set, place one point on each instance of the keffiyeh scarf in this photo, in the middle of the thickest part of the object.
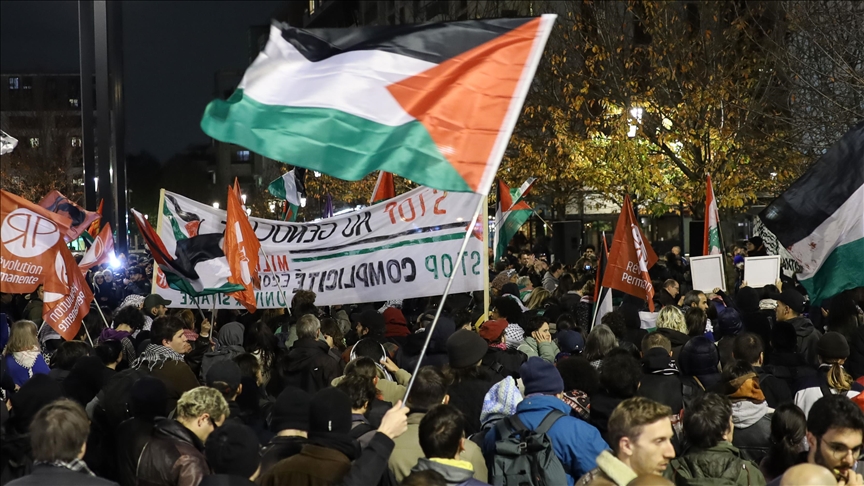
(156, 354)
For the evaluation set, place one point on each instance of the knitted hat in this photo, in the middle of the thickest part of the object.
(500, 401)
(570, 341)
(465, 348)
(540, 376)
(793, 299)
(232, 449)
(699, 356)
(291, 410)
(330, 414)
(492, 330)
(833, 345)
(149, 397)
(515, 335)
(226, 371)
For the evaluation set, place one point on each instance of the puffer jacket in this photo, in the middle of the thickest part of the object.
(173, 457)
(546, 350)
(723, 461)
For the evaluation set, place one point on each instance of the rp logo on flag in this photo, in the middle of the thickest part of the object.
(27, 234)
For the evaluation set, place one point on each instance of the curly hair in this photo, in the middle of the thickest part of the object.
(201, 400)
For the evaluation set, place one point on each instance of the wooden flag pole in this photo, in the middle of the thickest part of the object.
(431, 329)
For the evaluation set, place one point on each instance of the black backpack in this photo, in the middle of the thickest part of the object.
(115, 398)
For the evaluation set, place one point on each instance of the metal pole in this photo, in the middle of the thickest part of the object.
(431, 329)
(87, 49)
(98, 308)
(103, 115)
(115, 60)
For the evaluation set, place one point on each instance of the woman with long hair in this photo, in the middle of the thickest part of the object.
(538, 298)
(831, 376)
(788, 429)
(22, 354)
(259, 341)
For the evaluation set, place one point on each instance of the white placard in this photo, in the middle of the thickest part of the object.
(761, 271)
(708, 273)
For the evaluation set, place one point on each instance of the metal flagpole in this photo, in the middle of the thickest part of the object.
(275, 277)
(87, 331)
(431, 329)
(199, 307)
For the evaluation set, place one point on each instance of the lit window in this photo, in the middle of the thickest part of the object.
(34, 142)
(14, 82)
(243, 155)
(73, 102)
(76, 141)
(312, 7)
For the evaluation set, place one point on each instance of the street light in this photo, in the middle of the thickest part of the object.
(302, 201)
(216, 205)
(243, 197)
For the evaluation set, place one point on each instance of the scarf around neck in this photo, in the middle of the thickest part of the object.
(156, 354)
(26, 359)
(76, 465)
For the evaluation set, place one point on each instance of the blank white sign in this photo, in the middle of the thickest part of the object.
(761, 271)
(708, 273)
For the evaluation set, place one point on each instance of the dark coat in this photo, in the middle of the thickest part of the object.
(660, 380)
(855, 363)
(722, 461)
(176, 375)
(504, 363)
(467, 396)
(789, 367)
(664, 298)
(776, 390)
(44, 475)
(309, 365)
(130, 438)
(314, 466)
(225, 480)
(602, 406)
(280, 448)
(753, 442)
(677, 338)
(808, 339)
(173, 457)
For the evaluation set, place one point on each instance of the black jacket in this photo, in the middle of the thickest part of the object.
(371, 466)
(664, 298)
(855, 363)
(467, 397)
(173, 456)
(808, 339)
(130, 438)
(280, 448)
(753, 442)
(602, 406)
(776, 390)
(677, 338)
(44, 475)
(660, 380)
(225, 480)
(309, 365)
(504, 363)
(789, 367)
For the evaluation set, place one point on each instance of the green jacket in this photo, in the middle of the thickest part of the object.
(718, 465)
(546, 350)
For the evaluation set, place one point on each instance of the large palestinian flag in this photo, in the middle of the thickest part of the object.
(820, 219)
(434, 103)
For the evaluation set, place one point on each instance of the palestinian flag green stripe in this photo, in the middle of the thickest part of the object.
(182, 285)
(420, 241)
(836, 273)
(329, 138)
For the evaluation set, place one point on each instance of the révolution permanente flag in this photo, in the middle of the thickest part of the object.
(241, 250)
(711, 237)
(93, 230)
(100, 250)
(820, 219)
(602, 295)
(510, 215)
(56, 202)
(67, 295)
(385, 188)
(630, 258)
(435, 103)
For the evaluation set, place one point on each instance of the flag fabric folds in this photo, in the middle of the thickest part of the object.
(290, 186)
(711, 238)
(435, 103)
(820, 219)
(602, 295)
(56, 202)
(385, 188)
(67, 297)
(93, 230)
(510, 215)
(7, 143)
(241, 249)
(630, 258)
(100, 250)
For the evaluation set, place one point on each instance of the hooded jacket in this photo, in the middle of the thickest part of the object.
(808, 339)
(310, 366)
(455, 472)
(229, 346)
(752, 435)
(660, 379)
(723, 461)
(576, 443)
(173, 457)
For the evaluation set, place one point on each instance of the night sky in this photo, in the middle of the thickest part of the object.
(171, 52)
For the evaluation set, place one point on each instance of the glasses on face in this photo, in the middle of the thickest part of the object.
(839, 451)
(212, 422)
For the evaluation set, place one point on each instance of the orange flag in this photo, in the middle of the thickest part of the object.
(93, 230)
(630, 258)
(67, 295)
(81, 219)
(241, 248)
(385, 188)
(100, 251)
(29, 236)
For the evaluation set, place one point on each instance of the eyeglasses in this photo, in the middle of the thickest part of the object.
(840, 451)
(213, 423)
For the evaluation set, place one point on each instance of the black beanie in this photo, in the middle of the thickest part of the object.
(291, 410)
(465, 348)
(149, 398)
(232, 449)
(330, 413)
(833, 345)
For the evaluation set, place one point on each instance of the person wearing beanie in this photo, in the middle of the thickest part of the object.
(225, 377)
(831, 378)
(500, 359)
(147, 399)
(699, 364)
(570, 342)
(469, 381)
(289, 420)
(232, 452)
(327, 457)
(395, 325)
(790, 305)
(576, 443)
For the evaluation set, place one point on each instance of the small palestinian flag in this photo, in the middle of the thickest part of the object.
(434, 103)
(820, 219)
(510, 215)
(290, 186)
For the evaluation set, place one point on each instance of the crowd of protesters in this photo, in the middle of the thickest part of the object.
(756, 387)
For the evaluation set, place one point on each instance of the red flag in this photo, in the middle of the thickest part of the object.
(29, 235)
(630, 258)
(385, 188)
(100, 251)
(241, 248)
(60, 204)
(93, 230)
(67, 296)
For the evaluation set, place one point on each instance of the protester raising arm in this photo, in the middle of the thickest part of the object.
(372, 463)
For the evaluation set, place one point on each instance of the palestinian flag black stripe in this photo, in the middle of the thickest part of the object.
(434, 42)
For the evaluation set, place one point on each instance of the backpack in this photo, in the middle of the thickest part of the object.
(523, 457)
(115, 398)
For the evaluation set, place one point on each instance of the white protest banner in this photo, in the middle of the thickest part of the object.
(708, 273)
(761, 271)
(403, 248)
